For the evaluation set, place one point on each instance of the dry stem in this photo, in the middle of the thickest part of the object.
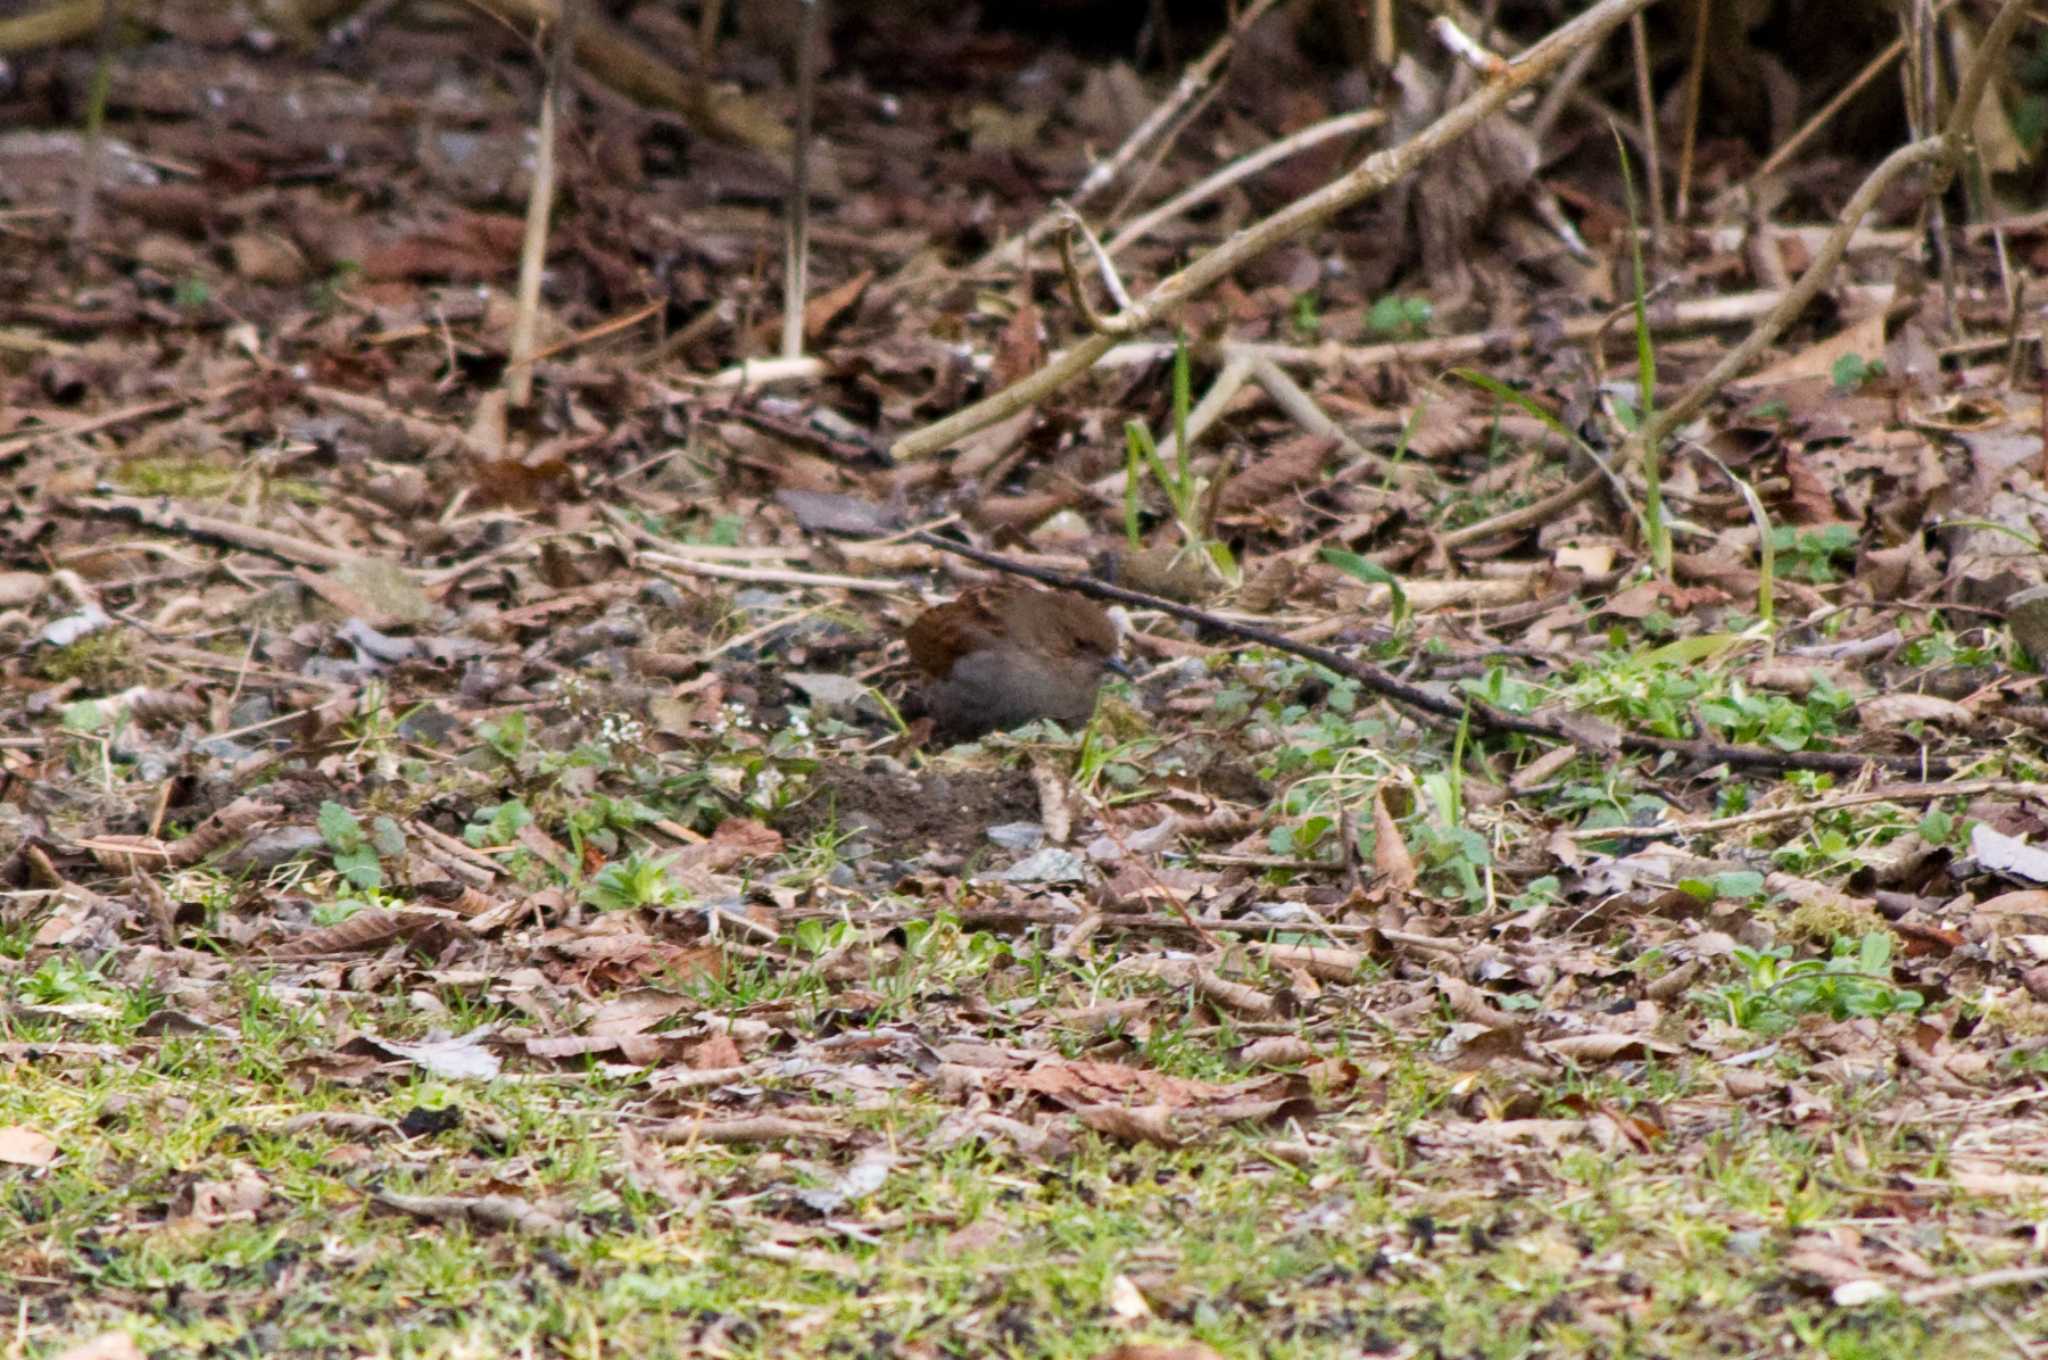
(797, 264)
(540, 202)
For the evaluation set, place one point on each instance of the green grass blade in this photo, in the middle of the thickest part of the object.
(1134, 476)
(1183, 402)
(1656, 535)
(1372, 573)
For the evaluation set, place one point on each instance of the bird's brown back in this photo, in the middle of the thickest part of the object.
(992, 616)
(942, 634)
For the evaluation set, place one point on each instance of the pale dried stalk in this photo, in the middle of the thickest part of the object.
(1646, 109)
(1292, 398)
(1806, 811)
(690, 566)
(1375, 173)
(540, 202)
(1112, 283)
(1695, 75)
(85, 208)
(1990, 52)
(796, 271)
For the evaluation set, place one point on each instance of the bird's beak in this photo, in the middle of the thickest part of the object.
(1116, 666)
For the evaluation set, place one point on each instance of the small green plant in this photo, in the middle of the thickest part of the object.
(1505, 691)
(1194, 498)
(1445, 844)
(1940, 827)
(1665, 691)
(498, 823)
(194, 478)
(1308, 316)
(722, 532)
(507, 735)
(816, 858)
(633, 882)
(1301, 839)
(15, 939)
(599, 819)
(102, 660)
(1400, 318)
(1541, 892)
(62, 981)
(1782, 721)
(1456, 858)
(1852, 371)
(1816, 554)
(1117, 768)
(87, 717)
(1767, 552)
(1945, 649)
(1736, 885)
(374, 725)
(341, 908)
(357, 853)
(326, 294)
(1854, 982)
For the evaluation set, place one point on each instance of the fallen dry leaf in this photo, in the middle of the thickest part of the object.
(24, 1146)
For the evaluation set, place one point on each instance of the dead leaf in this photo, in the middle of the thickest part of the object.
(268, 258)
(2022, 902)
(24, 1146)
(492, 1211)
(2005, 854)
(1865, 338)
(106, 1346)
(1470, 1003)
(718, 1051)
(1390, 857)
(1126, 1301)
(1604, 1047)
(821, 311)
(210, 1203)
(448, 1056)
(1147, 1124)
(1896, 710)
(1020, 349)
(650, 1171)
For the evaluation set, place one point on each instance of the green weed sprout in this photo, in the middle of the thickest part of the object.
(1193, 497)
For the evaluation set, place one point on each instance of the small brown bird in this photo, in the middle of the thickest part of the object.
(1002, 655)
